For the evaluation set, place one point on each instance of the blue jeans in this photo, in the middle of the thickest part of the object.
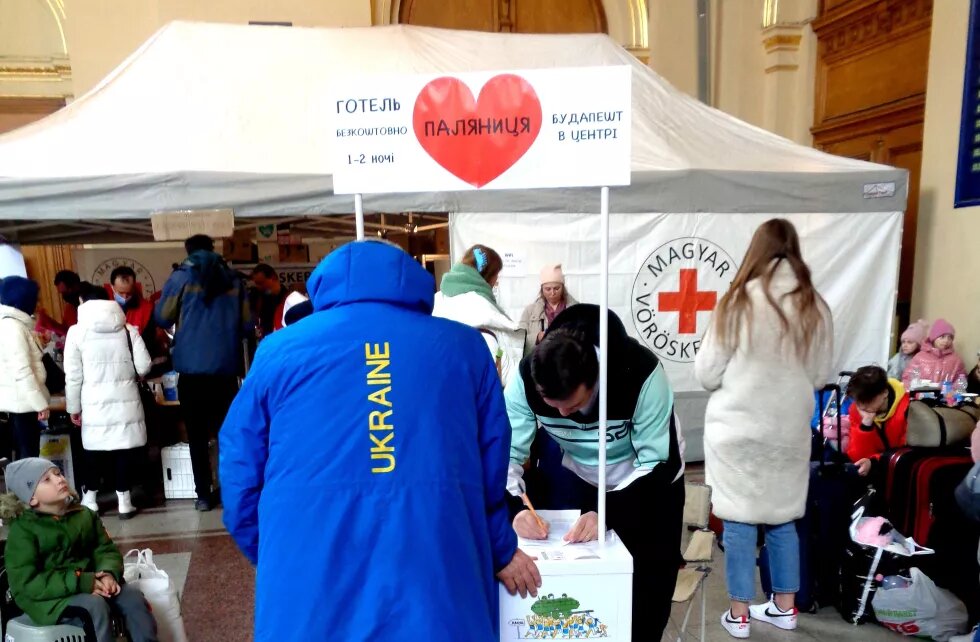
(740, 559)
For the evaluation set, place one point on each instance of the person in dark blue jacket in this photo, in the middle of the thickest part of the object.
(364, 465)
(207, 301)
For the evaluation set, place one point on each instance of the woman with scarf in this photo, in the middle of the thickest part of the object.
(466, 295)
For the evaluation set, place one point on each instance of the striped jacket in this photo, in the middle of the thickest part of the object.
(642, 436)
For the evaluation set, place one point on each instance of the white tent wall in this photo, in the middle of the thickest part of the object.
(854, 258)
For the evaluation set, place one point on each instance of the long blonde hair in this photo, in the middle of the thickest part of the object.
(775, 241)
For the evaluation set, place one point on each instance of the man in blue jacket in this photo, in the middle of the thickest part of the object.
(364, 465)
(207, 301)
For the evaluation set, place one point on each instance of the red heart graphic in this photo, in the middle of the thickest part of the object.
(477, 141)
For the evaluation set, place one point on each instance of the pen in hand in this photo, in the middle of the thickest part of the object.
(530, 507)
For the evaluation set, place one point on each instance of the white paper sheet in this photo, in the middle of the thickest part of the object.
(555, 548)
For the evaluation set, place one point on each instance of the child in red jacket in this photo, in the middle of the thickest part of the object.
(879, 416)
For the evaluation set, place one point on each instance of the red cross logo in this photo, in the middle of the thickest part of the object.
(689, 301)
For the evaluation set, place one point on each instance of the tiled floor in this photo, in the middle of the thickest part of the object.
(216, 582)
(825, 625)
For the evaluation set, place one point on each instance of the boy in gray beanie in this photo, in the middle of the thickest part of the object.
(65, 582)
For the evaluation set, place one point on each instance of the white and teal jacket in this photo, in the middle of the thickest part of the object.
(642, 435)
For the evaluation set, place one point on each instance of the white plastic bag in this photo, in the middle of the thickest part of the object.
(922, 609)
(159, 590)
(864, 562)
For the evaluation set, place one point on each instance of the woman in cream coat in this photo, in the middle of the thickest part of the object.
(769, 346)
(552, 300)
(103, 357)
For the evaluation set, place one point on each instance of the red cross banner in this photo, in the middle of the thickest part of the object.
(667, 272)
(675, 291)
(688, 301)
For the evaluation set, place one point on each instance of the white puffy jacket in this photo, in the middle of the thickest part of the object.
(22, 386)
(473, 310)
(100, 377)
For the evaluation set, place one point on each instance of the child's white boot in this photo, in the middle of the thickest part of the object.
(126, 509)
(90, 500)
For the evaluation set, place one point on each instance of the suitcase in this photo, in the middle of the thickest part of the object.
(823, 529)
(955, 539)
(917, 480)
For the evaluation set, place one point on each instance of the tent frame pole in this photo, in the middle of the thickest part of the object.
(359, 216)
(603, 355)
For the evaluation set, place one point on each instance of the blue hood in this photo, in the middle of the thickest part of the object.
(370, 271)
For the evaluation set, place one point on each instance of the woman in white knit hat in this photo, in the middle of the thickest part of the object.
(552, 299)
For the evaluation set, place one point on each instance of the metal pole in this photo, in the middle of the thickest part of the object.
(603, 355)
(704, 51)
(359, 216)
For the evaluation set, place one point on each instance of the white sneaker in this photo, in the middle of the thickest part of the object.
(770, 613)
(90, 500)
(126, 508)
(737, 627)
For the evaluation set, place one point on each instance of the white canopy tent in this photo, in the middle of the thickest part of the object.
(208, 116)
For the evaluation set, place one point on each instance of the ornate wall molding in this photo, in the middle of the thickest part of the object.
(33, 76)
(859, 43)
(627, 21)
(34, 69)
(855, 26)
(782, 41)
(782, 45)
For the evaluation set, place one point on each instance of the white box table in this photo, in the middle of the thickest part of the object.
(578, 599)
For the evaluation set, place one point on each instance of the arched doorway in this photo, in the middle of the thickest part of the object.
(516, 16)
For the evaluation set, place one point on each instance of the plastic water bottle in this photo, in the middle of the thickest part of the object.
(916, 378)
(895, 582)
(170, 386)
(959, 387)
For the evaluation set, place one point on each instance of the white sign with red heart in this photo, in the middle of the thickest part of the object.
(482, 130)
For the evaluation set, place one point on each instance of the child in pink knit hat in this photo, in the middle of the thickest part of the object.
(912, 340)
(937, 361)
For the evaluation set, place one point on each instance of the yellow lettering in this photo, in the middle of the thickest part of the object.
(381, 445)
(391, 462)
(377, 354)
(376, 420)
(378, 375)
(379, 397)
(377, 360)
